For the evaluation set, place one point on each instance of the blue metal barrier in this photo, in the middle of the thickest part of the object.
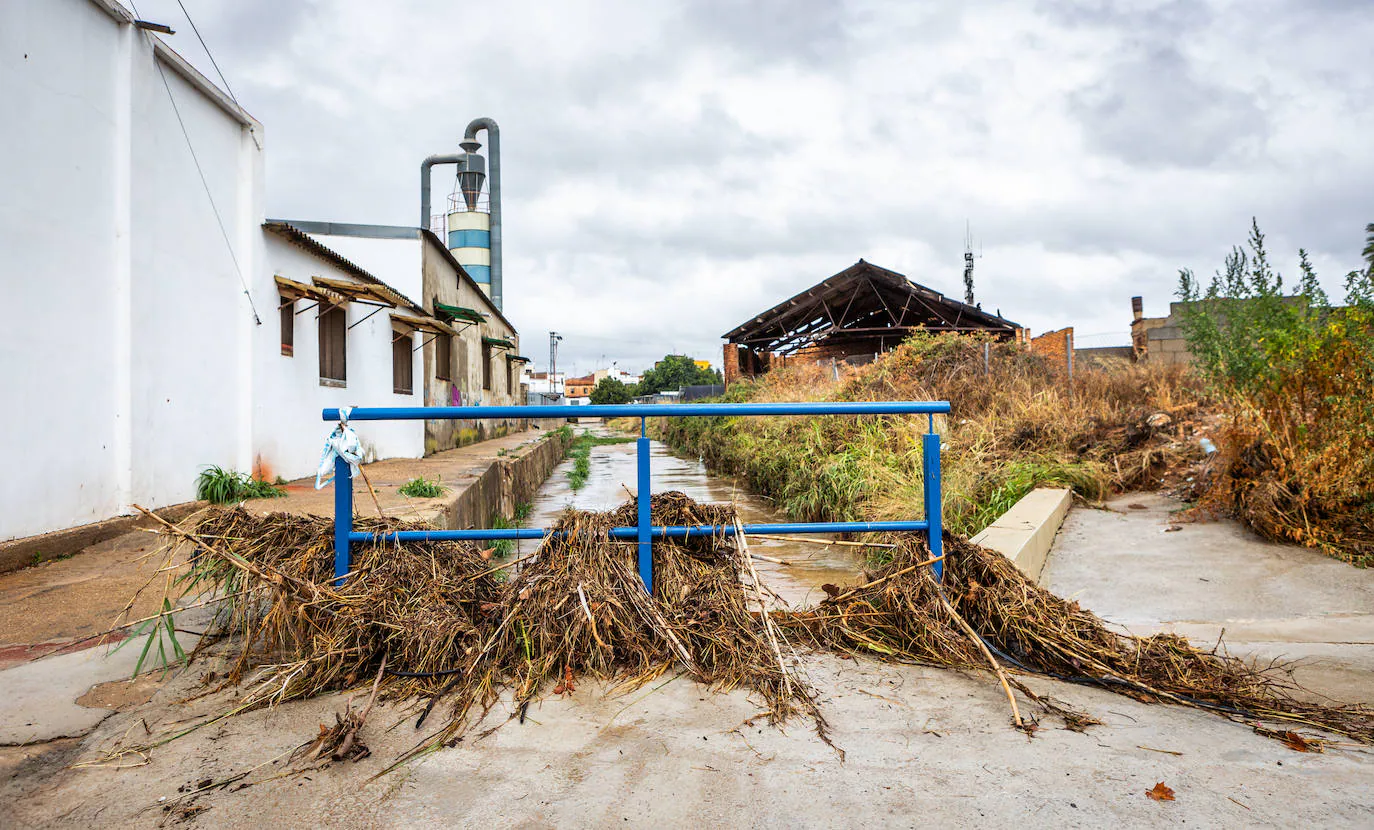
(644, 532)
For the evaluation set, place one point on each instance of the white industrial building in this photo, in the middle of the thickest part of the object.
(161, 324)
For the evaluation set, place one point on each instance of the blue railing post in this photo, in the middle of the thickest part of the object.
(646, 545)
(343, 520)
(930, 473)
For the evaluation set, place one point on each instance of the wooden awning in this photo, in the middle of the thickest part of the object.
(367, 292)
(299, 290)
(426, 324)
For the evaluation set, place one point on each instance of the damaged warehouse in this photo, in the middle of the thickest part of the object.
(855, 315)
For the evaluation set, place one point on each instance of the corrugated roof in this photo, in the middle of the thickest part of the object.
(312, 246)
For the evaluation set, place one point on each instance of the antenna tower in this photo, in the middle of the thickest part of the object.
(968, 263)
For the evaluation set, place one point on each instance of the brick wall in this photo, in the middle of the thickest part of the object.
(740, 361)
(1054, 345)
(1102, 356)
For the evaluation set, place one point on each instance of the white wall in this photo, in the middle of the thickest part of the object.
(63, 69)
(129, 343)
(288, 433)
(189, 315)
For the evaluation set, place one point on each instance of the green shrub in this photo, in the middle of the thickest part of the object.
(1297, 458)
(422, 488)
(220, 486)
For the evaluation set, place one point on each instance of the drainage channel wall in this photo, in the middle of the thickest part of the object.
(505, 484)
(1025, 533)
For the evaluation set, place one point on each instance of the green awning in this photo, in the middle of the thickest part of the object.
(498, 342)
(517, 358)
(457, 312)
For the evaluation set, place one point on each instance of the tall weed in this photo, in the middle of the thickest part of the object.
(1016, 424)
(1297, 374)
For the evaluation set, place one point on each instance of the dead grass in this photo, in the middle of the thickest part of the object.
(1031, 630)
(439, 625)
(1016, 423)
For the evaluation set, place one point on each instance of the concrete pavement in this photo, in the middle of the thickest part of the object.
(923, 747)
(1137, 565)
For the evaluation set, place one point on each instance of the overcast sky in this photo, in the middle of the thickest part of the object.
(671, 169)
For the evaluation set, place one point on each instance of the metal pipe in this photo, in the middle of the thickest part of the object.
(640, 410)
(645, 528)
(343, 520)
(644, 533)
(930, 480)
(655, 532)
(447, 158)
(494, 184)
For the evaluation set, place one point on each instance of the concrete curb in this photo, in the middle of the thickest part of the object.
(1025, 533)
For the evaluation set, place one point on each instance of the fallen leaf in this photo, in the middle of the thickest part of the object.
(486, 554)
(1298, 743)
(1135, 506)
(1160, 792)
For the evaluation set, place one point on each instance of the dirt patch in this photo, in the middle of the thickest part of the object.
(123, 694)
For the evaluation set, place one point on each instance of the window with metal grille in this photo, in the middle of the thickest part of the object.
(486, 366)
(402, 364)
(334, 346)
(443, 357)
(288, 326)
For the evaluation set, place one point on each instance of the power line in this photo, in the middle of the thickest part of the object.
(206, 184)
(222, 79)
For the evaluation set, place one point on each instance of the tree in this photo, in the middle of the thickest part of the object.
(610, 390)
(675, 371)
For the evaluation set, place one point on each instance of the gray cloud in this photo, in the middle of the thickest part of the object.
(1155, 108)
(672, 168)
(763, 31)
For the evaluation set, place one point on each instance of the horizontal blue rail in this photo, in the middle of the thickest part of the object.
(639, 410)
(657, 531)
(644, 532)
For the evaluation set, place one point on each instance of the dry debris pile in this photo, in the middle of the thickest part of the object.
(455, 630)
(440, 624)
(903, 613)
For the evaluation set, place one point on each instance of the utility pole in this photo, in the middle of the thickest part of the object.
(554, 337)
